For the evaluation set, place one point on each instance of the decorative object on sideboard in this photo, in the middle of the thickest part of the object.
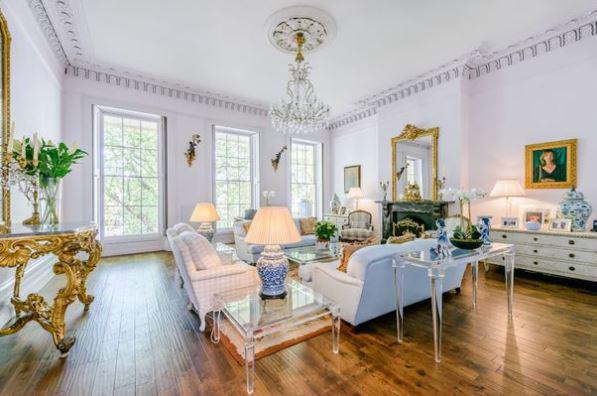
(278, 157)
(268, 195)
(355, 193)
(335, 204)
(383, 186)
(509, 222)
(412, 192)
(507, 188)
(352, 177)
(577, 209)
(324, 231)
(206, 214)
(561, 225)
(273, 226)
(190, 154)
(532, 225)
(551, 165)
(534, 215)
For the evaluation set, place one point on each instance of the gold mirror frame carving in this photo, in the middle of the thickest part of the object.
(411, 132)
(5, 37)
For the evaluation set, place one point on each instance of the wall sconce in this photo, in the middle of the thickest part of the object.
(277, 157)
(190, 153)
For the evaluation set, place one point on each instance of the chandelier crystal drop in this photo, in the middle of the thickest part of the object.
(300, 112)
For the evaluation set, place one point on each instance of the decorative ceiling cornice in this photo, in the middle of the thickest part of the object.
(40, 13)
(475, 65)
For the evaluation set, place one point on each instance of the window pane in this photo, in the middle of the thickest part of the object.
(303, 181)
(131, 132)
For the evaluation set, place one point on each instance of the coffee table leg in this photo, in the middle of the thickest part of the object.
(436, 276)
(335, 329)
(475, 271)
(509, 275)
(250, 363)
(399, 282)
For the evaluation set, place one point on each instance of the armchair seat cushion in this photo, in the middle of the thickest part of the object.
(356, 234)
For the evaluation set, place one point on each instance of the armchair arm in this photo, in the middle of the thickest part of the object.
(219, 272)
(345, 226)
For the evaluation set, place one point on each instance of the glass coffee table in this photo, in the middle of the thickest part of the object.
(254, 318)
(311, 254)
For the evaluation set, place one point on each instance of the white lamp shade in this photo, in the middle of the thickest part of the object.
(355, 192)
(273, 225)
(205, 212)
(507, 188)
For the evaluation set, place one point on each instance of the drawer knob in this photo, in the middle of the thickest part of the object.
(535, 262)
(571, 255)
(571, 268)
(504, 236)
(571, 242)
(535, 239)
(535, 251)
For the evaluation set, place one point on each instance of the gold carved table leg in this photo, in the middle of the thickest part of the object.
(17, 253)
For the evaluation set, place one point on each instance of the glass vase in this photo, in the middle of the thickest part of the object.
(50, 187)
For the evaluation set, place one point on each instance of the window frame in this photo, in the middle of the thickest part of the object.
(254, 161)
(99, 112)
(318, 165)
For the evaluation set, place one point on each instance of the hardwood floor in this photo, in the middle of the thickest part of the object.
(139, 338)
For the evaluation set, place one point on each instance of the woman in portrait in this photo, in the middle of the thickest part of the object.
(548, 170)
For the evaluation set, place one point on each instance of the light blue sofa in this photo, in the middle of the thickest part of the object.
(250, 253)
(367, 289)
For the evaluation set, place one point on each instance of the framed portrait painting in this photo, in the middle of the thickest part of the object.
(352, 177)
(551, 165)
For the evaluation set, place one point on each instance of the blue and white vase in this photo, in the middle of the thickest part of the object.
(576, 208)
(272, 268)
(484, 227)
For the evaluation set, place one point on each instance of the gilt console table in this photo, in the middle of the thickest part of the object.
(65, 241)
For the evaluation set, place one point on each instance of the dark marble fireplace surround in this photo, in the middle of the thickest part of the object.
(422, 212)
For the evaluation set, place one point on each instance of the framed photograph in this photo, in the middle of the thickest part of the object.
(551, 165)
(560, 225)
(352, 177)
(534, 215)
(509, 222)
(343, 210)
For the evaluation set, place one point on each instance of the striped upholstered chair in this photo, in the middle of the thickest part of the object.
(358, 228)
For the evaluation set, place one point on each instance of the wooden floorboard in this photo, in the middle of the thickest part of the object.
(139, 339)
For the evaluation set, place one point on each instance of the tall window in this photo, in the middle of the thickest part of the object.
(236, 173)
(305, 178)
(129, 163)
(414, 171)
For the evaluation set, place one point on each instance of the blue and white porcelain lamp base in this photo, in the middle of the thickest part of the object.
(206, 230)
(272, 268)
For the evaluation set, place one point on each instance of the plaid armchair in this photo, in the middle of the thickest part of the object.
(359, 227)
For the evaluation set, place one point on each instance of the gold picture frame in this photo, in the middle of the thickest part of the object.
(5, 40)
(352, 177)
(561, 155)
(411, 132)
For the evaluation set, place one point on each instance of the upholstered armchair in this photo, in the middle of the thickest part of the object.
(358, 227)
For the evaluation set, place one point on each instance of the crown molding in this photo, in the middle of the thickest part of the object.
(475, 65)
(39, 12)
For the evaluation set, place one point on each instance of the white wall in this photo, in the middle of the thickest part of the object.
(186, 186)
(35, 107)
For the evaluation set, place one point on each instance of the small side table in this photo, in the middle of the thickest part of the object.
(436, 266)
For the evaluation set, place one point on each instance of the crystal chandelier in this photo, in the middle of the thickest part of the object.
(301, 111)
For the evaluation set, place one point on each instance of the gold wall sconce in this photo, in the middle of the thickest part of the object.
(277, 157)
(190, 153)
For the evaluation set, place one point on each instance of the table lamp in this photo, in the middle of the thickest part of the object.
(507, 188)
(205, 213)
(272, 226)
(355, 193)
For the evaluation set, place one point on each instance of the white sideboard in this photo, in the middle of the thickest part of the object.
(337, 219)
(568, 254)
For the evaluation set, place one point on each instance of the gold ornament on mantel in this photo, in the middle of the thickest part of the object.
(412, 192)
(190, 153)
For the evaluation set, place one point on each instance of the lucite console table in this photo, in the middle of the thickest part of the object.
(436, 266)
(65, 241)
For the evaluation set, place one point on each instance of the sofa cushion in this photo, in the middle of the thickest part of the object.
(357, 265)
(308, 225)
(356, 234)
(347, 251)
(306, 240)
(203, 253)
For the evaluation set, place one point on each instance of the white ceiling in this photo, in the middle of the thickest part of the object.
(221, 46)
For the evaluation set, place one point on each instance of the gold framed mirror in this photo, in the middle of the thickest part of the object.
(414, 161)
(5, 114)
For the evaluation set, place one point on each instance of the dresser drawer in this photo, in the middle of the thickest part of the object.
(545, 239)
(557, 267)
(588, 258)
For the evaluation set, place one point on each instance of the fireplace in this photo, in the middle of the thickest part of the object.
(424, 213)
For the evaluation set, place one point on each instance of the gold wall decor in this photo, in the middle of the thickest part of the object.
(412, 192)
(411, 133)
(551, 165)
(278, 157)
(190, 154)
(5, 111)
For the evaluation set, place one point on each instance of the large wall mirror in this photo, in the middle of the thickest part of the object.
(5, 123)
(414, 161)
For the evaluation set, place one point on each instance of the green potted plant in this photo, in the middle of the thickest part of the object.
(466, 238)
(324, 231)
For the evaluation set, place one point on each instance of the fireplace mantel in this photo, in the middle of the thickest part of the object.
(423, 212)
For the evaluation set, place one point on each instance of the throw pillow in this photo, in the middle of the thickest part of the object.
(203, 253)
(401, 239)
(347, 251)
(308, 225)
(246, 226)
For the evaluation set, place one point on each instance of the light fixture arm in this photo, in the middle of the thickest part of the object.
(300, 41)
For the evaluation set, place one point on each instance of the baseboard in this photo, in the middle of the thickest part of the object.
(37, 275)
(122, 248)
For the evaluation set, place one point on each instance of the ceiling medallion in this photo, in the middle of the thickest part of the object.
(299, 30)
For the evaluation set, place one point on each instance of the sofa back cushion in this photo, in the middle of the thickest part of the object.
(203, 253)
(308, 225)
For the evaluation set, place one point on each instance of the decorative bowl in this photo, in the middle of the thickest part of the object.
(467, 244)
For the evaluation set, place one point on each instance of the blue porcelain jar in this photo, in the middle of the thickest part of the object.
(576, 208)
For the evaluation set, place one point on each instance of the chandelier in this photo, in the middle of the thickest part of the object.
(300, 111)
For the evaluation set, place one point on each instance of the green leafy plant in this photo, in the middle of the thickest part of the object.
(324, 230)
(471, 233)
(55, 162)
